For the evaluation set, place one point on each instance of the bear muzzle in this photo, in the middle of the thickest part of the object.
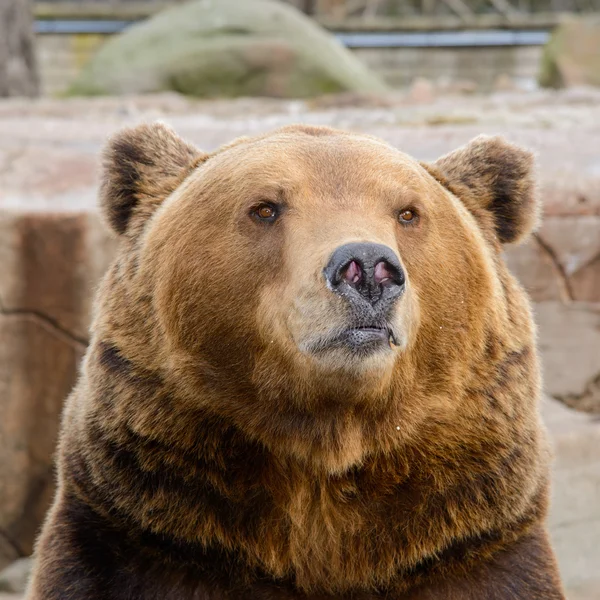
(370, 279)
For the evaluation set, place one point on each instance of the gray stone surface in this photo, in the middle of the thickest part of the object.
(575, 510)
(14, 578)
(569, 341)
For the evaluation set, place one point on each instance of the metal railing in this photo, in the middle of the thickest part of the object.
(398, 8)
(465, 9)
(357, 15)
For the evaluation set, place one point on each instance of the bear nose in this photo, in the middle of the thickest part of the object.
(370, 271)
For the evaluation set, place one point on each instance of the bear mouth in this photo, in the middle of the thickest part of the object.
(363, 337)
(360, 341)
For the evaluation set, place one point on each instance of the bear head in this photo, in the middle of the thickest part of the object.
(325, 293)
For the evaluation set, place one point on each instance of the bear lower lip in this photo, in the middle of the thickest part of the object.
(363, 338)
(357, 340)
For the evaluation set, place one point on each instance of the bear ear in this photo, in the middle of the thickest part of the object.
(496, 181)
(141, 167)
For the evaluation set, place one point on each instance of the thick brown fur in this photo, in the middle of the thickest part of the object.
(208, 452)
(496, 181)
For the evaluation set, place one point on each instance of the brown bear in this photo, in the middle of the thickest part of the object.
(311, 376)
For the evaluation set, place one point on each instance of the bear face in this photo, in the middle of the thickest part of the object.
(316, 286)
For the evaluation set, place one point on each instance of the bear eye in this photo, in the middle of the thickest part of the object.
(265, 212)
(407, 216)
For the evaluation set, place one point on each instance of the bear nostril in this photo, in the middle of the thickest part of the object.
(382, 273)
(385, 273)
(352, 273)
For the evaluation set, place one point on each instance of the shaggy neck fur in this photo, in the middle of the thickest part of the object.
(354, 501)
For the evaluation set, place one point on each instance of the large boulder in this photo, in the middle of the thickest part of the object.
(212, 48)
(572, 55)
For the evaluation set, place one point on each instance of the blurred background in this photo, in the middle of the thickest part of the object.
(425, 75)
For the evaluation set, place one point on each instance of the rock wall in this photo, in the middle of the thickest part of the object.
(49, 265)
